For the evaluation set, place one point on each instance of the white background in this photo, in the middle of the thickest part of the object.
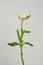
(9, 23)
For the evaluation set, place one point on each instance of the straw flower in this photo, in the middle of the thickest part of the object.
(23, 16)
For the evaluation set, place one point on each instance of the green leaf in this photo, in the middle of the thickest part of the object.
(13, 44)
(28, 43)
(25, 31)
(19, 38)
(27, 17)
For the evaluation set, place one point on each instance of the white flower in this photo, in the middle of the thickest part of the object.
(23, 16)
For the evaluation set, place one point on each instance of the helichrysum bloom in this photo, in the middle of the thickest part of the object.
(23, 16)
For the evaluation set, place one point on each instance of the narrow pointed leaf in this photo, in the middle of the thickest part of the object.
(28, 43)
(19, 38)
(25, 31)
(27, 17)
(13, 44)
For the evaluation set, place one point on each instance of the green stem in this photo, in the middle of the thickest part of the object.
(21, 44)
(21, 23)
(21, 28)
(21, 56)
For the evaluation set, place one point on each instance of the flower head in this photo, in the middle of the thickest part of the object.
(23, 16)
